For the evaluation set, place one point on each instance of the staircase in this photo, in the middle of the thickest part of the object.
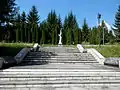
(59, 68)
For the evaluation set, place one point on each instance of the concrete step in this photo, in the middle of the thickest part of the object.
(62, 61)
(38, 62)
(50, 56)
(53, 75)
(54, 53)
(58, 59)
(62, 87)
(63, 73)
(57, 67)
(67, 87)
(59, 56)
(80, 58)
(62, 66)
(51, 82)
(59, 70)
(57, 78)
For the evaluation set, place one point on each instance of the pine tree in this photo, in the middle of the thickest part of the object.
(33, 20)
(94, 36)
(111, 37)
(75, 31)
(79, 36)
(85, 31)
(23, 31)
(64, 30)
(18, 28)
(7, 14)
(43, 30)
(7, 10)
(70, 29)
(52, 26)
(117, 24)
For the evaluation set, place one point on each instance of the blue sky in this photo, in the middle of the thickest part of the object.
(81, 8)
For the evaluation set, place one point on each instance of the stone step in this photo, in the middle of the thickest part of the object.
(67, 87)
(51, 82)
(63, 58)
(58, 59)
(56, 62)
(58, 70)
(57, 67)
(37, 64)
(78, 58)
(57, 75)
(51, 56)
(57, 78)
(63, 54)
(63, 73)
(61, 86)
(28, 67)
(59, 56)
(63, 66)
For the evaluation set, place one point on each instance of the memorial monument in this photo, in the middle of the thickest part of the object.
(60, 38)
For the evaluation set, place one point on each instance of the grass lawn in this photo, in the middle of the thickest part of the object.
(11, 49)
(107, 50)
(50, 45)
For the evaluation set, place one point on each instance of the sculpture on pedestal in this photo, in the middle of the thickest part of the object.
(60, 38)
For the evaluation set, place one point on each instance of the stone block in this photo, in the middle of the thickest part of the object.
(81, 49)
(97, 55)
(1, 62)
(35, 47)
(20, 56)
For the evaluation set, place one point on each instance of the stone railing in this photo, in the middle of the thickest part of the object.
(96, 55)
(1, 62)
(35, 47)
(113, 61)
(81, 49)
(20, 56)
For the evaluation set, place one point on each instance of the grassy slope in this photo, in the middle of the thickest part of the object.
(11, 49)
(108, 50)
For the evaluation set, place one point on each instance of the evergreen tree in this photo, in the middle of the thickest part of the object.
(111, 37)
(52, 26)
(33, 20)
(79, 36)
(64, 30)
(18, 28)
(7, 10)
(94, 36)
(85, 31)
(43, 29)
(76, 31)
(70, 30)
(117, 24)
(7, 13)
(23, 30)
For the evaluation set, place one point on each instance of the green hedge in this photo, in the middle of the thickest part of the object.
(11, 49)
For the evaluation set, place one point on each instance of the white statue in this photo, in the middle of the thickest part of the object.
(60, 38)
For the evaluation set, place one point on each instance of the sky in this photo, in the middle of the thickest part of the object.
(81, 9)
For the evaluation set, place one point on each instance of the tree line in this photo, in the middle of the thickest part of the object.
(16, 27)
